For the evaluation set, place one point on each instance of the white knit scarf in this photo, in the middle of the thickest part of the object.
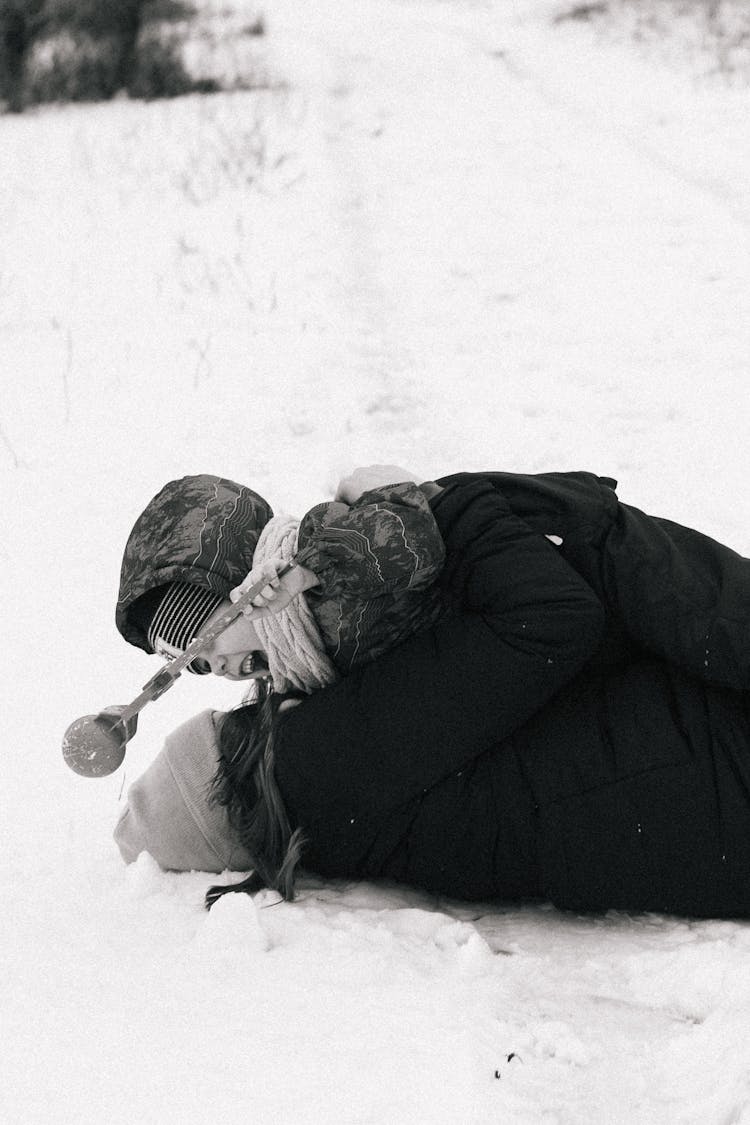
(297, 659)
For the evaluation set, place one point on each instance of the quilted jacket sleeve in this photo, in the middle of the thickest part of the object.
(388, 540)
(525, 623)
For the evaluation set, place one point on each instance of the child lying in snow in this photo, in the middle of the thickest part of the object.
(368, 563)
(364, 578)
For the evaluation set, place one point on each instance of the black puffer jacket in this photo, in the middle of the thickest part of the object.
(667, 590)
(477, 761)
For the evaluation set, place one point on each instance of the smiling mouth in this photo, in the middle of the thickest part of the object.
(252, 663)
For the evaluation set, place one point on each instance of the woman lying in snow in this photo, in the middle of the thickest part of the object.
(498, 753)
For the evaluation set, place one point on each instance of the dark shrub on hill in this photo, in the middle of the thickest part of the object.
(72, 68)
(19, 21)
(158, 71)
(97, 18)
(88, 50)
(154, 11)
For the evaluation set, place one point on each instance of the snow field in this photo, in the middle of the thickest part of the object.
(452, 235)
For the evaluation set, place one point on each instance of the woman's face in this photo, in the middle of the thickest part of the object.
(235, 654)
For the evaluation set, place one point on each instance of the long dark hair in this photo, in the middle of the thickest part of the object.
(246, 786)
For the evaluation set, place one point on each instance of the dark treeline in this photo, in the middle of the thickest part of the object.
(87, 50)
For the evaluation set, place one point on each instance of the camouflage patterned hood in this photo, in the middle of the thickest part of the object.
(200, 529)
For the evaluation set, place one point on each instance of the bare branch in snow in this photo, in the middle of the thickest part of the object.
(203, 366)
(67, 371)
(67, 365)
(8, 445)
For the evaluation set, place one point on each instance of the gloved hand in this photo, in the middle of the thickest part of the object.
(278, 592)
(361, 480)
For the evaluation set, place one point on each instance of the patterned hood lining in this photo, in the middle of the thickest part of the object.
(199, 529)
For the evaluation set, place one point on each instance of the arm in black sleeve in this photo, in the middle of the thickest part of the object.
(525, 624)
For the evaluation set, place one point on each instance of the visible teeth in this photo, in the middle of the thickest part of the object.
(248, 665)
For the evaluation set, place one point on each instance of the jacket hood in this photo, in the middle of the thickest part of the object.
(201, 529)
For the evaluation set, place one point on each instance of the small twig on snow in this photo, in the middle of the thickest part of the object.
(67, 371)
(203, 365)
(7, 443)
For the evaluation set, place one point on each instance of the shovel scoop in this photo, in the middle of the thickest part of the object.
(94, 745)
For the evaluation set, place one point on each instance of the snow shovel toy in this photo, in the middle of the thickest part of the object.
(94, 745)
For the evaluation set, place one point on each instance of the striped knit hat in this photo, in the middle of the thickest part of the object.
(179, 615)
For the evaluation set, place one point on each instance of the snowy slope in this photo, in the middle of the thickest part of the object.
(453, 236)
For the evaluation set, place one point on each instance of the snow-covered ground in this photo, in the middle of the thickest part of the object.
(453, 235)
